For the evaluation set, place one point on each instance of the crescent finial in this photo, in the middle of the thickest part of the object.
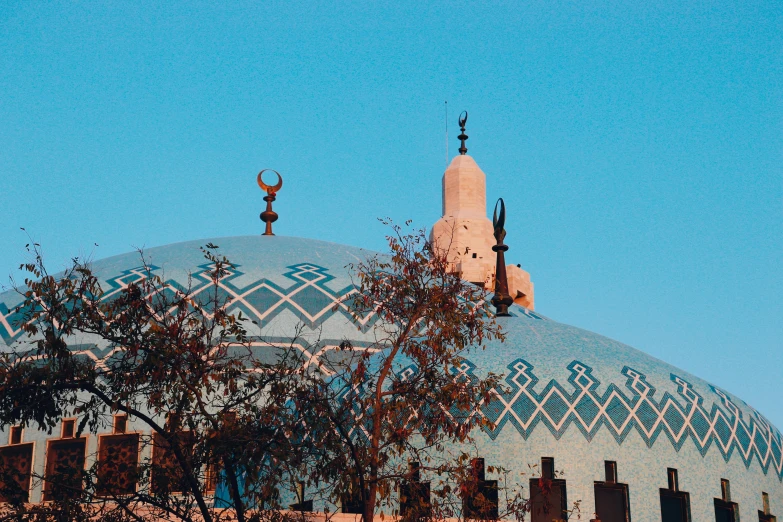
(463, 119)
(499, 220)
(267, 188)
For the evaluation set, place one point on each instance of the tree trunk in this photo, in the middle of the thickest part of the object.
(369, 504)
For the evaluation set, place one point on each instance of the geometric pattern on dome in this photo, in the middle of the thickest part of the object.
(9, 319)
(518, 403)
(680, 419)
(308, 297)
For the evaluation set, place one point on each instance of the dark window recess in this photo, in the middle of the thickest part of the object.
(301, 505)
(481, 496)
(415, 501)
(211, 477)
(69, 429)
(167, 476)
(64, 468)
(725, 511)
(674, 480)
(120, 424)
(15, 437)
(548, 499)
(548, 468)
(353, 503)
(675, 504)
(611, 497)
(118, 457)
(764, 514)
(610, 471)
(16, 463)
(725, 490)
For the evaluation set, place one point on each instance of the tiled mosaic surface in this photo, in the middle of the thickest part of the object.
(571, 394)
(580, 404)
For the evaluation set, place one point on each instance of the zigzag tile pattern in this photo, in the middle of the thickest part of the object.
(308, 297)
(9, 318)
(580, 403)
(522, 404)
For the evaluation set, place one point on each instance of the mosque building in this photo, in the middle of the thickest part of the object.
(636, 438)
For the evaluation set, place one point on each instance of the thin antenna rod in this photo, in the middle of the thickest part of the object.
(447, 133)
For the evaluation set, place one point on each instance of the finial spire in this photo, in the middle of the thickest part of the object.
(269, 216)
(501, 300)
(463, 119)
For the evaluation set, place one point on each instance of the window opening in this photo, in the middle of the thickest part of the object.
(725, 490)
(765, 515)
(610, 471)
(353, 502)
(725, 509)
(481, 501)
(120, 424)
(548, 499)
(548, 468)
(611, 497)
(68, 429)
(675, 504)
(15, 437)
(415, 495)
(211, 477)
(118, 458)
(166, 474)
(16, 462)
(674, 483)
(301, 503)
(64, 466)
(214, 465)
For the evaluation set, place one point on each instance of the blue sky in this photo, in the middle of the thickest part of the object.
(637, 145)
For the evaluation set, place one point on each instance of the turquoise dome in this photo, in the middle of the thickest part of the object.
(570, 394)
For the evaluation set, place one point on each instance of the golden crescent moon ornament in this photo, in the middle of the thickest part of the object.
(267, 188)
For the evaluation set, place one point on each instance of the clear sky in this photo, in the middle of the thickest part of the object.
(638, 146)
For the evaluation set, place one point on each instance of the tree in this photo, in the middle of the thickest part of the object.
(184, 371)
(405, 403)
(213, 412)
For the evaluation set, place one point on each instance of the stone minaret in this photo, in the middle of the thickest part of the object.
(465, 232)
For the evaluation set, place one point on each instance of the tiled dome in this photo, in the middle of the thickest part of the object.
(571, 395)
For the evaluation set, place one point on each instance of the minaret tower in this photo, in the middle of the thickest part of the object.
(465, 232)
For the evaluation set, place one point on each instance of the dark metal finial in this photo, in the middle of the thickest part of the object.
(501, 300)
(269, 216)
(463, 119)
